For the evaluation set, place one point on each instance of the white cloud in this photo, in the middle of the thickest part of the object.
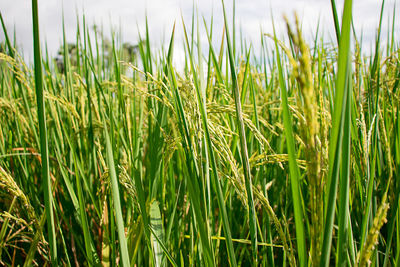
(251, 15)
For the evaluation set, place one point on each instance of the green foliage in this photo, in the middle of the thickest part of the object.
(110, 155)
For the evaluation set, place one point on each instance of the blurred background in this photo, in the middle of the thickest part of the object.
(128, 17)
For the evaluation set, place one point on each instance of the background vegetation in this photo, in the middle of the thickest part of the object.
(110, 156)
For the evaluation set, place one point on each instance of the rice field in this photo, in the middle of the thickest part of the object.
(111, 156)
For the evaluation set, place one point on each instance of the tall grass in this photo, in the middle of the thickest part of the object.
(285, 157)
(44, 153)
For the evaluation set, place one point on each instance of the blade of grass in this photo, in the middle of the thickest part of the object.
(157, 229)
(336, 137)
(43, 136)
(117, 203)
(161, 243)
(293, 167)
(345, 182)
(243, 145)
(335, 20)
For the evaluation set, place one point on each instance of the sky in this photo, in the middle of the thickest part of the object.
(129, 15)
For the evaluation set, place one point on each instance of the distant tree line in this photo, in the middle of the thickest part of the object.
(128, 52)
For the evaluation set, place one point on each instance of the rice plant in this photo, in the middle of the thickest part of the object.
(111, 155)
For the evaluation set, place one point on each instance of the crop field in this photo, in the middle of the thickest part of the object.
(112, 156)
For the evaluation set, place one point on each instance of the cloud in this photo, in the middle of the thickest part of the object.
(131, 14)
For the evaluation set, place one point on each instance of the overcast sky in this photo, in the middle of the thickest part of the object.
(251, 16)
